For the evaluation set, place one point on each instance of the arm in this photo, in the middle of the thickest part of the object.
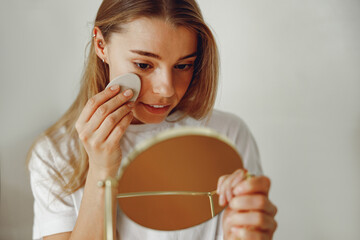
(100, 126)
(90, 222)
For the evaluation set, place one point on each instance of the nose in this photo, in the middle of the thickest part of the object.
(163, 84)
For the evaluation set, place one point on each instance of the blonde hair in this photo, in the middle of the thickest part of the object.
(197, 102)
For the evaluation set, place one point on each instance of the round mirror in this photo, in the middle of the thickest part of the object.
(169, 182)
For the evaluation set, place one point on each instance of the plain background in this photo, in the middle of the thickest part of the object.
(290, 69)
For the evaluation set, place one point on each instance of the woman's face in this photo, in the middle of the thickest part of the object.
(162, 55)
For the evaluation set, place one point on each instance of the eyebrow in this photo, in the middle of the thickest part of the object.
(153, 55)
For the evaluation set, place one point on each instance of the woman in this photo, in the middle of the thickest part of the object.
(170, 47)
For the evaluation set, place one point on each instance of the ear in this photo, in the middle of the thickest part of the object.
(100, 45)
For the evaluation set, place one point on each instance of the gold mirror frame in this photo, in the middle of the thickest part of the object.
(145, 149)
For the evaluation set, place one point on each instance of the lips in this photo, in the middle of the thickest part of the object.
(156, 108)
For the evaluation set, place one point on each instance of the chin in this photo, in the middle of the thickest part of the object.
(140, 118)
(143, 115)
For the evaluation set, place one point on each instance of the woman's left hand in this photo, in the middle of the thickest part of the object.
(250, 214)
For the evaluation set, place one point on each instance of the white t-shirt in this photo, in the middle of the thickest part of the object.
(52, 216)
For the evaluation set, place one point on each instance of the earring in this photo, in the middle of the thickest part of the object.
(94, 35)
(103, 60)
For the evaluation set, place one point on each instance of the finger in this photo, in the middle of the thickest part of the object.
(94, 102)
(105, 109)
(119, 130)
(248, 234)
(111, 121)
(234, 179)
(225, 191)
(260, 184)
(219, 187)
(256, 202)
(255, 220)
(220, 182)
(240, 175)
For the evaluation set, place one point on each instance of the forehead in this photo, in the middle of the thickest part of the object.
(155, 35)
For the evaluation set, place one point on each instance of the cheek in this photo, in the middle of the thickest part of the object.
(181, 89)
(118, 67)
(145, 85)
(182, 85)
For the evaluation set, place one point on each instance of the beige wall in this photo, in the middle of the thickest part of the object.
(290, 69)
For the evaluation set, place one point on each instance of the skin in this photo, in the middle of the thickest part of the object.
(164, 77)
(250, 214)
(164, 81)
(106, 116)
(165, 74)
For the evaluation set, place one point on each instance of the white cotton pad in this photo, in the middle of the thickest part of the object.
(128, 81)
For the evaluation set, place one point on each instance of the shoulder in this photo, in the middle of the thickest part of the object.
(50, 169)
(237, 131)
(51, 153)
(218, 116)
(54, 211)
(227, 123)
(40, 154)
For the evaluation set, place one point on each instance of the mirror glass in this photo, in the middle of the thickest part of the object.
(169, 182)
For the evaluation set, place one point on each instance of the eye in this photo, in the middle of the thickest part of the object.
(143, 66)
(183, 66)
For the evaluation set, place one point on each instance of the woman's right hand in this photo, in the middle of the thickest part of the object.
(101, 125)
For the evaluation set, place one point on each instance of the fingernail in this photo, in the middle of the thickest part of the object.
(114, 87)
(127, 93)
